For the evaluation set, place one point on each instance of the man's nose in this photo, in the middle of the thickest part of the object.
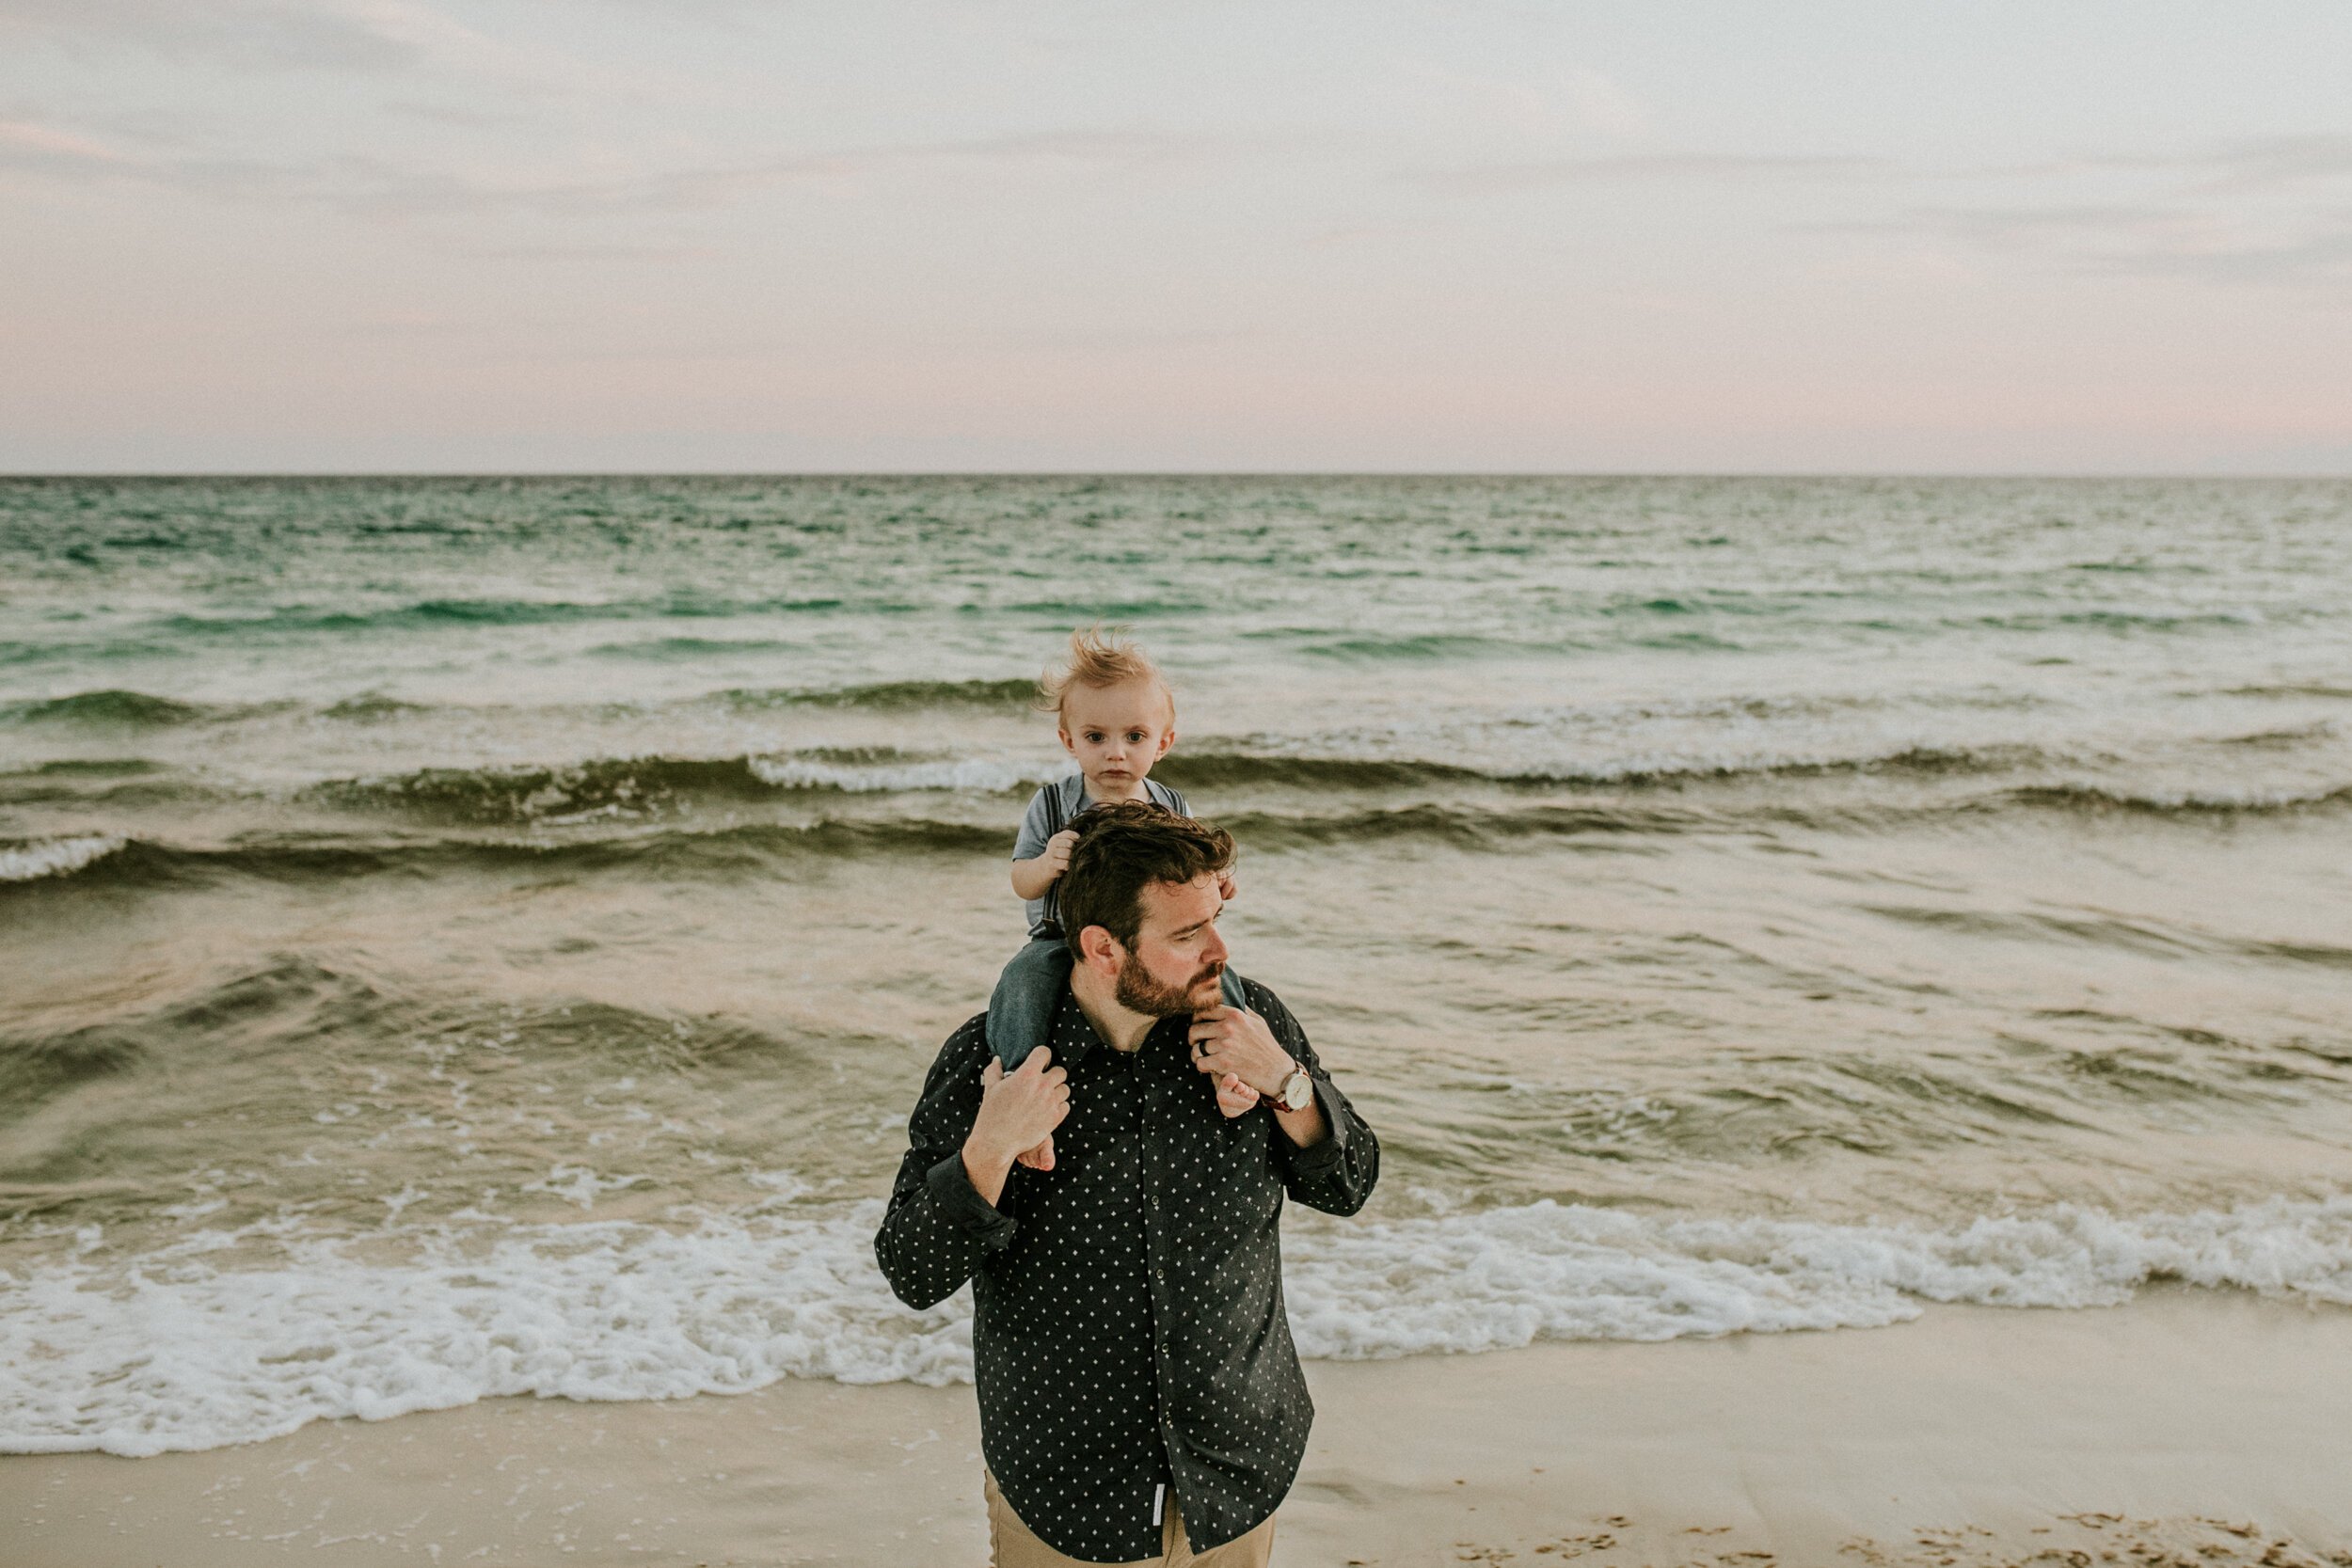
(1214, 950)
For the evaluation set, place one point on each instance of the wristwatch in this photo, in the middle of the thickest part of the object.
(1296, 1092)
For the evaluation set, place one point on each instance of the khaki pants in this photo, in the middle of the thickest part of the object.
(1014, 1544)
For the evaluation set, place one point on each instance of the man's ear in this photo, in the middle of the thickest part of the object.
(1099, 951)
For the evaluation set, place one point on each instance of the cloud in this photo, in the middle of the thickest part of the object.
(720, 184)
(365, 183)
(1605, 106)
(1349, 234)
(1484, 177)
(25, 143)
(2145, 238)
(465, 116)
(1549, 104)
(662, 253)
(2319, 257)
(2273, 211)
(2009, 227)
(240, 33)
(30, 147)
(374, 37)
(2267, 163)
(1084, 147)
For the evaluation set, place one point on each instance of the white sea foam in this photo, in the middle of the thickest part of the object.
(967, 774)
(167, 1352)
(54, 857)
(1510, 1276)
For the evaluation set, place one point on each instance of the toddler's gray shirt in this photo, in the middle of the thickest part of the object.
(1051, 810)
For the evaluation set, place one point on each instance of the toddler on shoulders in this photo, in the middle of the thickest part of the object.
(1117, 718)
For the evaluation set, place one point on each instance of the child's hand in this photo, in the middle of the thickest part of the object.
(1054, 857)
(1233, 1097)
(1225, 886)
(1039, 1158)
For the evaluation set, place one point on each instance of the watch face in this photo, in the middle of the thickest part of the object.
(1296, 1091)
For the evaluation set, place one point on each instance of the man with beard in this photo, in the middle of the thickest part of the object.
(1140, 1400)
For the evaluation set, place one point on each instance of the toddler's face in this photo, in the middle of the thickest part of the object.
(1116, 733)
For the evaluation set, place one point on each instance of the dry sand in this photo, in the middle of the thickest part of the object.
(2188, 1428)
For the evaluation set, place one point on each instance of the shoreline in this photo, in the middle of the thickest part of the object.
(2205, 1426)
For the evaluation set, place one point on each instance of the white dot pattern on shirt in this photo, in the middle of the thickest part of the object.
(1129, 1329)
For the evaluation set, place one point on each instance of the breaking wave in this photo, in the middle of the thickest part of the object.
(526, 794)
(746, 848)
(172, 1351)
(624, 831)
(890, 696)
(310, 619)
(2174, 803)
(33, 860)
(113, 708)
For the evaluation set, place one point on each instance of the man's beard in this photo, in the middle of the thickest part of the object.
(1138, 993)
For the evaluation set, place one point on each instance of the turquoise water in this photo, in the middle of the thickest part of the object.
(482, 934)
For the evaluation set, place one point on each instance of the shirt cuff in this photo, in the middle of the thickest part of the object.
(950, 1186)
(1336, 1115)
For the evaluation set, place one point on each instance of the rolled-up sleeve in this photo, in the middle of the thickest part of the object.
(938, 1230)
(1337, 1174)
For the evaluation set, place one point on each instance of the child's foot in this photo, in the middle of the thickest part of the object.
(1039, 1158)
(1233, 1097)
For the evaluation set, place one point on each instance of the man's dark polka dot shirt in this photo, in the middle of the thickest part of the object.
(1128, 1331)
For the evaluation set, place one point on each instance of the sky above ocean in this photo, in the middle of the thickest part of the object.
(485, 235)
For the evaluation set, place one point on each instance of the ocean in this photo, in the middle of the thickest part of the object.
(464, 937)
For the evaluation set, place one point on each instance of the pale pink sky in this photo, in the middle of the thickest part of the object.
(692, 234)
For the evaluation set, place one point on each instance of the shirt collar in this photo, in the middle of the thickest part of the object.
(1075, 1030)
(1074, 1035)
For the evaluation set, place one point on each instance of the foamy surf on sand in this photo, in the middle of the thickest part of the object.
(175, 1350)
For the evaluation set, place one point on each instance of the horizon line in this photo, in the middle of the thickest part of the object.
(2022, 474)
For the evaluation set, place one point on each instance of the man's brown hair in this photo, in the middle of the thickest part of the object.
(1123, 847)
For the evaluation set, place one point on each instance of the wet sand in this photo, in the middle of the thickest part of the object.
(2189, 1427)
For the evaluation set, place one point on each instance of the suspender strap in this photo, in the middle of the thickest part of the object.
(1062, 797)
